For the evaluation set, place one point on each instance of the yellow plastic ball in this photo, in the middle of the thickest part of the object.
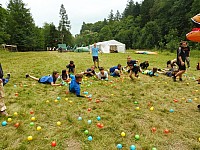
(39, 128)
(15, 113)
(123, 134)
(58, 123)
(66, 99)
(152, 108)
(137, 108)
(9, 119)
(30, 138)
(47, 101)
(32, 118)
(55, 100)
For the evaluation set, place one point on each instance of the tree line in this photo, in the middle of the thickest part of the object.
(151, 24)
(159, 24)
(17, 27)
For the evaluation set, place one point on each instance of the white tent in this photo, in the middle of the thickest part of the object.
(111, 46)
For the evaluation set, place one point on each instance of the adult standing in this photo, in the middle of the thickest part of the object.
(95, 53)
(181, 57)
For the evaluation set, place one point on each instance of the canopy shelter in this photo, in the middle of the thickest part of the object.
(111, 46)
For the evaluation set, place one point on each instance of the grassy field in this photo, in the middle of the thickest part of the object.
(119, 99)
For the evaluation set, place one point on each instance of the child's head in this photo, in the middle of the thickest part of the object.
(169, 63)
(55, 74)
(71, 63)
(183, 44)
(101, 69)
(92, 67)
(79, 77)
(129, 58)
(119, 66)
(155, 70)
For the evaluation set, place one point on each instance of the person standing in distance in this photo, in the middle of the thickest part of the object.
(95, 53)
(181, 58)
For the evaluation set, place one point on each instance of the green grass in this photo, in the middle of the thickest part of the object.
(117, 108)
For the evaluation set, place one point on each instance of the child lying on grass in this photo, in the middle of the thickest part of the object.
(47, 79)
(74, 86)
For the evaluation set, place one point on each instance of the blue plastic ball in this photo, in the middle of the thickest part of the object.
(89, 138)
(4, 123)
(79, 118)
(171, 110)
(132, 147)
(89, 121)
(119, 146)
(58, 98)
(98, 118)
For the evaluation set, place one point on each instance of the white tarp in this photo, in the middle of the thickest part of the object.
(105, 46)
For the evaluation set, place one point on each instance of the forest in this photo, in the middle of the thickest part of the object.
(151, 24)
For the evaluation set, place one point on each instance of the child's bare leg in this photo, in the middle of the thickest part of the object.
(34, 78)
(130, 75)
(180, 73)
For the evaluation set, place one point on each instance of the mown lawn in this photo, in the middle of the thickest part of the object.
(117, 106)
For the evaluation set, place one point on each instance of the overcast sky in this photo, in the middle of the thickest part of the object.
(79, 11)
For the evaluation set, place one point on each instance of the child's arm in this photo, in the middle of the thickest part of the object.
(54, 84)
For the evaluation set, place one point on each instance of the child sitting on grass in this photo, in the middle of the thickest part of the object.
(144, 65)
(74, 86)
(47, 79)
(102, 75)
(90, 71)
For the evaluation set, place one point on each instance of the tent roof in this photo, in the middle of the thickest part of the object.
(110, 42)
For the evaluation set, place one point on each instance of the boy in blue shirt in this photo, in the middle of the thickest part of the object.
(116, 70)
(74, 86)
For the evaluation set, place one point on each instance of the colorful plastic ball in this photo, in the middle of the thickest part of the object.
(66, 99)
(32, 124)
(16, 125)
(31, 112)
(58, 98)
(199, 139)
(166, 131)
(4, 123)
(53, 144)
(47, 101)
(89, 138)
(101, 125)
(153, 129)
(29, 138)
(86, 93)
(132, 147)
(32, 118)
(119, 146)
(171, 110)
(137, 108)
(15, 85)
(175, 100)
(89, 121)
(189, 100)
(39, 128)
(137, 137)
(55, 100)
(97, 100)
(16, 94)
(79, 118)
(9, 119)
(89, 109)
(86, 132)
(152, 108)
(135, 102)
(98, 124)
(154, 148)
(98, 118)
(15, 113)
(123, 134)
(58, 123)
